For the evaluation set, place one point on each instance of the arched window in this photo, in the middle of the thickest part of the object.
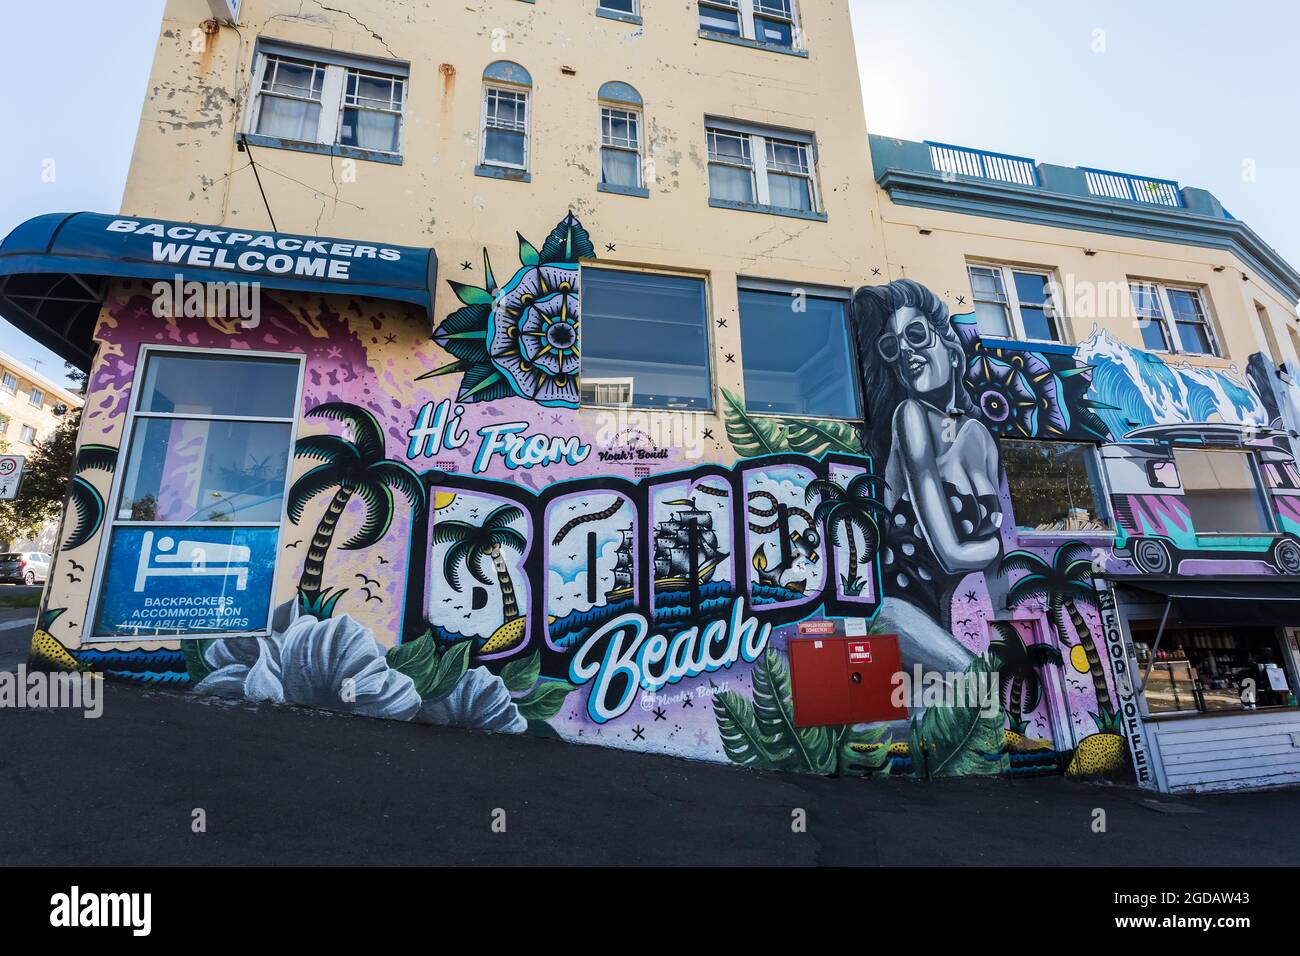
(507, 112)
(622, 140)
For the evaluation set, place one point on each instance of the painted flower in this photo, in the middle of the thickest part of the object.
(335, 664)
(1017, 393)
(533, 334)
(480, 701)
(521, 339)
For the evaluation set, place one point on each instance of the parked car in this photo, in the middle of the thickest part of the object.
(24, 567)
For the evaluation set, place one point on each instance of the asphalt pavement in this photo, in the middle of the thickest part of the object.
(280, 785)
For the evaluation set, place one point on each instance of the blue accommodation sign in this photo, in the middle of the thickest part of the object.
(187, 581)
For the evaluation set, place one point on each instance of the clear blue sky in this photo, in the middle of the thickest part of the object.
(1181, 89)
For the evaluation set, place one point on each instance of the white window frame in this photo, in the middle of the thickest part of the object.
(333, 97)
(748, 31)
(1168, 324)
(758, 160)
(27, 435)
(114, 499)
(36, 397)
(9, 382)
(1011, 298)
(527, 94)
(4, 424)
(639, 120)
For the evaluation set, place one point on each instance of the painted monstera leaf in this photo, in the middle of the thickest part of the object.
(752, 435)
(961, 740)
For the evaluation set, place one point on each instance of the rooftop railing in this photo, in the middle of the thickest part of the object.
(964, 161)
(1112, 185)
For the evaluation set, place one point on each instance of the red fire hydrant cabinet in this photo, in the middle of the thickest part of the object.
(844, 680)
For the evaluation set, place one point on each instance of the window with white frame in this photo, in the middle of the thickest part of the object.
(328, 99)
(217, 508)
(1173, 318)
(1015, 303)
(771, 22)
(35, 397)
(630, 8)
(4, 425)
(28, 435)
(620, 147)
(766, 168)
(505, 127)
(9, 383)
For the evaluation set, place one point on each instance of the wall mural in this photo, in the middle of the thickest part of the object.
(464, 548)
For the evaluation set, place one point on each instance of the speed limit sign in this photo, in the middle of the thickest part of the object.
(11, 473)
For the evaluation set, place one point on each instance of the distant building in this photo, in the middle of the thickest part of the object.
(31, 406)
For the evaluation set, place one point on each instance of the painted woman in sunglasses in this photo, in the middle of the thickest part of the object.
(940, 465)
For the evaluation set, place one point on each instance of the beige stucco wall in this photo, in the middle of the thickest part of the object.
(934, 247)
(186, 165)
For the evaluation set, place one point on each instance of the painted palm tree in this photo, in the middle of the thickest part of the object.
(355, 468)
(847, 511)
(84, 498)
(1018, 667)
(471, 544)
(1064, 583)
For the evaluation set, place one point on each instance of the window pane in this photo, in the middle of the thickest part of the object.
(619, 6)
(368, 129)
(992, 319)
(789, 192)
(730, 183)
(796, 362)
(294, 78)
(200, 470)
(719, 21)
(1054, 486)
(986, 284)
(1038, 324)
(777, 32)
(1194, 338)
(1206, 668)
(297, 120)
(215, 385)
(504, 146)
(1222, 492)
(648, 336)
(1153, 334)
(618, 167)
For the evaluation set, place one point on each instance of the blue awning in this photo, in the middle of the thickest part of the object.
(55, 269)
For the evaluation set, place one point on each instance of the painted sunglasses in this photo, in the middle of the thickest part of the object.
(918, 333)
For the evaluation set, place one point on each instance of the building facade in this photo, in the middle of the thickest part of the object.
(32, 406)
(639, 374)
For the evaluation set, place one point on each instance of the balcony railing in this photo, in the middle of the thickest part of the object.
(1111, 185)
(964, 161)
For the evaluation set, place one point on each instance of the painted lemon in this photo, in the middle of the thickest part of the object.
(1079, 658)
(1019, 743)
(505, 637)
(1098, 755)
(46, 647)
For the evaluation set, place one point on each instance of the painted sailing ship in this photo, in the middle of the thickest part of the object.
(684, 539)
(622, 589)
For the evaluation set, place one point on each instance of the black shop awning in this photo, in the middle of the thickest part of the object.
(1226, 603)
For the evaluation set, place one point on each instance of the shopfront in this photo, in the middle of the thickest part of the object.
(1214, 666)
